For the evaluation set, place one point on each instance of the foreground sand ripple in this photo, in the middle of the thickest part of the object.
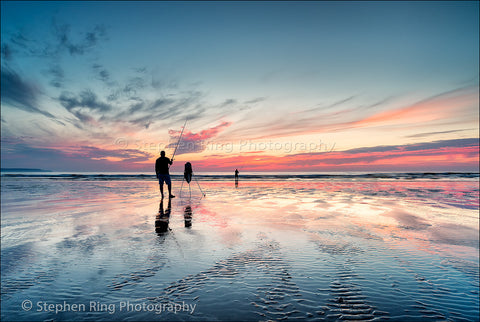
(261, 272)
(348, 302)
(317, 251)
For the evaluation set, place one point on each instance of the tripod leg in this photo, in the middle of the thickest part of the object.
(199, 187)
(180, 196)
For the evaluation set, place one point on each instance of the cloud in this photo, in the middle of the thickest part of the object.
(340, 102)
(88, 40)
(90, 108)
(455, 107)
(20, 93)
(448, 105)
(17, 153)
(128, 102)
(323, 107)
(131, 103)
(133, 85)
(83, 105)
(336, 116)
(194, 142)
(421, 135)
(58, 75)
(130, 90)
(471, 142)
(7, 52)
(466, 147)
(444, 155)
(172, 109)
(17, 42)
(228, 102)
(231, 105)
(60, 40)
(86, 99)
(102, 74)
(95, 153)
(256, 100)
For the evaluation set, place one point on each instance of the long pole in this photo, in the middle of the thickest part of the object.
(179, 139)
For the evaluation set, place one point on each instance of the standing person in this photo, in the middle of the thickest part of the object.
(161, 169)
(236, 177)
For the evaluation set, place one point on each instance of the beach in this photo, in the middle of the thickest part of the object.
(315, 248)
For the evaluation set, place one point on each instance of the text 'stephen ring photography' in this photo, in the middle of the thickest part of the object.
(240, 161)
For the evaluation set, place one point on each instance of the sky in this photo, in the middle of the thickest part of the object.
(313, 86)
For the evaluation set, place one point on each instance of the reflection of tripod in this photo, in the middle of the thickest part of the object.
(187, 216)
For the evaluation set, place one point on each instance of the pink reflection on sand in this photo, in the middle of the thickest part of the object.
(434, 217)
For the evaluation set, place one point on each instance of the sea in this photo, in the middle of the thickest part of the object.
(248, 176)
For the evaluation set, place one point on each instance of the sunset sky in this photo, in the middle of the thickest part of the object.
(264, 86)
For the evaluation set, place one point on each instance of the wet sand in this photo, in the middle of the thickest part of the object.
(372, 250)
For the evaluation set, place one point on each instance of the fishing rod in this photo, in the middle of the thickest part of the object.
(175, 151)
(181, 133)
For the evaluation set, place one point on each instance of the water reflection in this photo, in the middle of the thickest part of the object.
(163, 218)
(187, 215)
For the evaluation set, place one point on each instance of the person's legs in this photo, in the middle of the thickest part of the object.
(168, 181)
(161, 179)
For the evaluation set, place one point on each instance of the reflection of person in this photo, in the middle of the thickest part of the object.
(163, 218)
(161, 169)
(187, 215)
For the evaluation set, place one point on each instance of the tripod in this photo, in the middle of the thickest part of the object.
(190, 189)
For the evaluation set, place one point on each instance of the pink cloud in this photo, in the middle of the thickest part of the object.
(194, 142)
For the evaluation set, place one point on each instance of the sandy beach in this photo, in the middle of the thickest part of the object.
(266, 250)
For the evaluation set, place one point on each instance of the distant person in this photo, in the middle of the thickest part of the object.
(161, 169)
(236, 177)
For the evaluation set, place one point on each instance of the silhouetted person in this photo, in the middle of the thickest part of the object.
(236, 177)
(163, 218)
(187, 216)
(161, 169)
